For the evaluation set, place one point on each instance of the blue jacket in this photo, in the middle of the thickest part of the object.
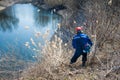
(79, 40)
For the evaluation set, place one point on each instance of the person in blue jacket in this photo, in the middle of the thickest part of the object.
(79, 42)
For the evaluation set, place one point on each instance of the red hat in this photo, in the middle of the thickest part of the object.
(78, 28)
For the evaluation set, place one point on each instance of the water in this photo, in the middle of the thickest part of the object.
(24, 29)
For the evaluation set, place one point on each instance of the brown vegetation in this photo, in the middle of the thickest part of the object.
(103, 26)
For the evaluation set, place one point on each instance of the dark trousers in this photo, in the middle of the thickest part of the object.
(77, 54)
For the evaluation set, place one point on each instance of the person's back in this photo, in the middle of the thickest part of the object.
(79, 40)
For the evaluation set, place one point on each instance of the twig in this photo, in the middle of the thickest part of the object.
(111, 70)
(99, 60)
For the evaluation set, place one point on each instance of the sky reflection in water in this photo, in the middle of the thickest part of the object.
(22, 28)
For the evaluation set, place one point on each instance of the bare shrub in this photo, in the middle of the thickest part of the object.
(53, 57)
(102, 22)
(103, 26)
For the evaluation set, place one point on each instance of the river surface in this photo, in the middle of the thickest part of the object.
(24, 29)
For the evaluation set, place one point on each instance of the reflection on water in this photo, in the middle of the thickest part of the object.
(7, 22)
(45, 17)
(22, 28)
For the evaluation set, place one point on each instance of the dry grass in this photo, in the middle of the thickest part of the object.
(55, 55)
(54, 64)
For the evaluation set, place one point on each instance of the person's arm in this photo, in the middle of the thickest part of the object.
(73, 43)
(90, 42)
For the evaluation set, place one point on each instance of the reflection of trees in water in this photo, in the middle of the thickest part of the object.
(7, 22)
(43, 17)
(42, 20)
